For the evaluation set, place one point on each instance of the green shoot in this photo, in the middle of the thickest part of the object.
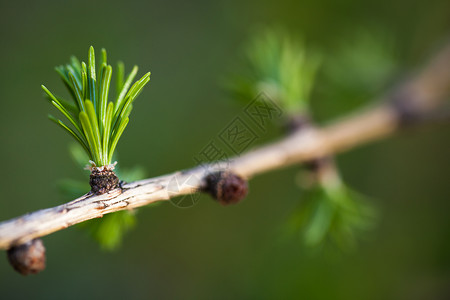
(333, 215)
(356, 71)
(281, 67)
(96, 123)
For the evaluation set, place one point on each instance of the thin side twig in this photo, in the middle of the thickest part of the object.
(418, 96)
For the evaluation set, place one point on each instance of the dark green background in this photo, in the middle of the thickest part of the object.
(209, 251)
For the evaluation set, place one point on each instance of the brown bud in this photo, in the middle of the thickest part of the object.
(408, 106)
(226, 187)
(295, 123)
(103, 181)
(28, 258)
(317, 164)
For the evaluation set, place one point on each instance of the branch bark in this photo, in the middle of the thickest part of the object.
(418, 96)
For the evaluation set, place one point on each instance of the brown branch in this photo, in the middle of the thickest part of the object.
(417, 97)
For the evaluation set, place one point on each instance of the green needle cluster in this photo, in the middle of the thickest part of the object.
(280, 66)
(95, 122)
(337, 215)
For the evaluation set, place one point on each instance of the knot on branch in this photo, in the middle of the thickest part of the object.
(28, 258)
(226, 187)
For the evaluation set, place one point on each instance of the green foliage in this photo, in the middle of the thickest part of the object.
(364, 62)
(332, 214)
(95, 123)
(280, 66)
(355, 71)
(109, 230)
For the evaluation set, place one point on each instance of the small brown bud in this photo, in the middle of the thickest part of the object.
(28, 258)
(226, 187)
(317, 164)
(295, 123)
(408, 107)
(103, 181)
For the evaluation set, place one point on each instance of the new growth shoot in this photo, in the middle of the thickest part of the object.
(92, 120)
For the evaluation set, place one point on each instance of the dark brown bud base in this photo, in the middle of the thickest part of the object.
(295, 123)
(318, 164)
(226, 187)
(407, 107)
(103, 181)
(28, 258)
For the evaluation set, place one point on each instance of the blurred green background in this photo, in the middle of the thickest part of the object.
(209, 251)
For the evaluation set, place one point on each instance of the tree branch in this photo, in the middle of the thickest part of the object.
(409, 102)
